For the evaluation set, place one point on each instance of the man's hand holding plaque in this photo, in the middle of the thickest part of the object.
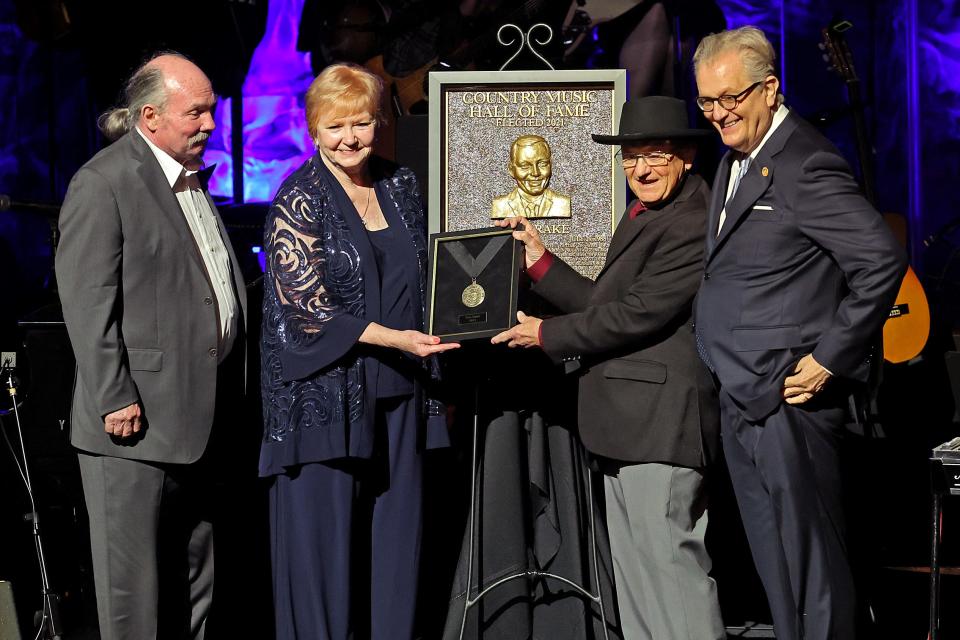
(525, 334)
(528, 235)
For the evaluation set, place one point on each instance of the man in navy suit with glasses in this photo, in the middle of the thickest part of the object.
(800, 274)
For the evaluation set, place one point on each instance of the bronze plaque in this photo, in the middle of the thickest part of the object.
(509, 143)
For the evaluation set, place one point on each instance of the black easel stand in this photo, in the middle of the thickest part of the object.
(525, 40)
(532, 574)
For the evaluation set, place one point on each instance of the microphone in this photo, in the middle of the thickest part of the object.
(7, 203)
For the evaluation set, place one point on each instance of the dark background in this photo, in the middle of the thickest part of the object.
(57, 73)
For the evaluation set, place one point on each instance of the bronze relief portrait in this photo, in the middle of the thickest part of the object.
(531, 166)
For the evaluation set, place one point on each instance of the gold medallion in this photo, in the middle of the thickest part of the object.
(473, 295)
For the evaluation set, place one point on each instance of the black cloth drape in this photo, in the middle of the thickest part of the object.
(533, 515)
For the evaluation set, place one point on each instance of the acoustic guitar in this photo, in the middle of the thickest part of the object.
(907, 328)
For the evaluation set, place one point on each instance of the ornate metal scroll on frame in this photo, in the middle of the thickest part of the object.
(504, 143)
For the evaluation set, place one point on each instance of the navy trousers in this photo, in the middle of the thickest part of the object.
(786, 477)
(345, 539)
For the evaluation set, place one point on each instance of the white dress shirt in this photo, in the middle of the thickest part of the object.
(206, 233)
(778, 117)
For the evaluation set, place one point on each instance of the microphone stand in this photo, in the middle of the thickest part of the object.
(50, 626)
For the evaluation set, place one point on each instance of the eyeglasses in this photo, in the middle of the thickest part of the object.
(727, 102)
(651, 158)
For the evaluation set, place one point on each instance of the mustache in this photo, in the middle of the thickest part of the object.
(200, 138)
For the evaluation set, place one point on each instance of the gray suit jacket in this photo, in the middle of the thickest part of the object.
(139, 308)
(644, 394)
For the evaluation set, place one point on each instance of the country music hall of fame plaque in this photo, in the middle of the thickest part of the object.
(505, 143)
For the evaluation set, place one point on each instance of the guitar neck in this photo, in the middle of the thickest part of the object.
(864, 152)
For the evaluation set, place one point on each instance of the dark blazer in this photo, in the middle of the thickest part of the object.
(139, 307)
(644, 394)
(803, 264)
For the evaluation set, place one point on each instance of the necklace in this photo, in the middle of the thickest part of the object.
(363, 216)
(366, 205)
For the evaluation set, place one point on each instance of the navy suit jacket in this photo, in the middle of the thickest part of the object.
(803, 264)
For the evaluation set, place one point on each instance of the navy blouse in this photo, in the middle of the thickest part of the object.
(322, 287)
(397, 369)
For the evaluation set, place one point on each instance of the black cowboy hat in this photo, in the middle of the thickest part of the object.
(653, 118)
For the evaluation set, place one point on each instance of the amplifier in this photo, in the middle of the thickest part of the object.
(946, 467)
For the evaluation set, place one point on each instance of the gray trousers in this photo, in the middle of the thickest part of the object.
(656, 516)
(151, 539)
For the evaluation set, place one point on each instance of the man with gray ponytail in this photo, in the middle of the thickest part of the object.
(800, 273)
(155, 308)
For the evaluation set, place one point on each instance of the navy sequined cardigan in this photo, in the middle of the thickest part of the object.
(321, 289)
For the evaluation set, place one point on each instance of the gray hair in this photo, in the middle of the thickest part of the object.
(145, 86)
(756, 53)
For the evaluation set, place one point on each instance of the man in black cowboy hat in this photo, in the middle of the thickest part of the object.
(647, 407)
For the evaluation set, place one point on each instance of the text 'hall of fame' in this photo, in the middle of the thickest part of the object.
(523, 148)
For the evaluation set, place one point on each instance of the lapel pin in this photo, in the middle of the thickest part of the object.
(764, 172)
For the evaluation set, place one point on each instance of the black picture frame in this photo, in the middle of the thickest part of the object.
(448, 317)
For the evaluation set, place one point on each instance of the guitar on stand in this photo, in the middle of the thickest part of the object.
(907, 328)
